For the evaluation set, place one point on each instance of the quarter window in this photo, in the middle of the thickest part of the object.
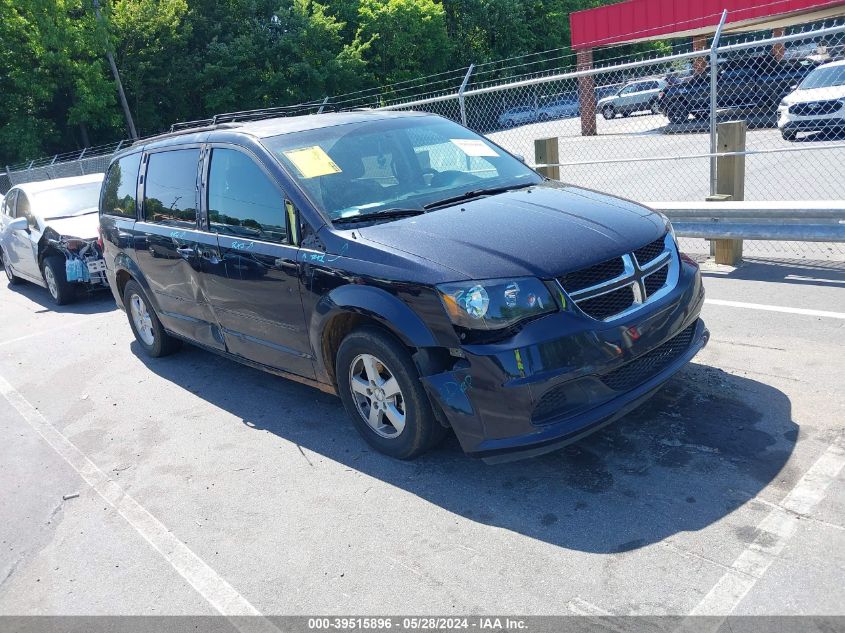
(120, 187)
(242, 201)
(170, 188)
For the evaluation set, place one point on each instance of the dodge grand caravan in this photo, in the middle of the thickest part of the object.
(406, 264)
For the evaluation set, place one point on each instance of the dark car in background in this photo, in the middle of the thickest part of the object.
(406, 264)
(748, 85)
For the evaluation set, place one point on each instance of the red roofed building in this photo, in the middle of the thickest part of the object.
(633, 21)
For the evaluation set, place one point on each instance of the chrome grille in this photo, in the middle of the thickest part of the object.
(656, 280)
(616, 287)
(606, 305)
(586, 277)
(650, 251)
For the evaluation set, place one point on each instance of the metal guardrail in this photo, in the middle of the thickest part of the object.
(811, 221)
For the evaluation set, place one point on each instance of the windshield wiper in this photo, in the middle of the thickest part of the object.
(72, 215)
(384, 214)
(477, 193)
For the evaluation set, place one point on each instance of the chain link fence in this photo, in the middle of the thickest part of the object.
(642, 128)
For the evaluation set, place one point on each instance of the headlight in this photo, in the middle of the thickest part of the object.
(495, 304)
(783, 104)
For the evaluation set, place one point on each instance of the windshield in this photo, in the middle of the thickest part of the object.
(368, 167)
(824, 77)
(74, 200)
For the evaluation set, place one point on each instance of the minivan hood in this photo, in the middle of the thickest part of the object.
(81, 226)
(543, 231)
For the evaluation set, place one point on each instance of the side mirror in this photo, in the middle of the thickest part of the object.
(519, 157)
(19, 224)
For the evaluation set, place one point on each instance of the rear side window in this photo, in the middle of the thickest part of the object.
(242, 200)
(170, 188)
(120, 188)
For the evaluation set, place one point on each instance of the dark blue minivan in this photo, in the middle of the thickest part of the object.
(408, 265)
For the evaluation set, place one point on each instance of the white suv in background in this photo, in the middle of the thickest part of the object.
(635, 96)
(818, 104)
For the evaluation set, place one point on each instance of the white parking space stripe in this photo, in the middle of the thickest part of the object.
(774, 531)
(214, 589)
(768, 308)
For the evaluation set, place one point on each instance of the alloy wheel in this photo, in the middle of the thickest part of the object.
(377, 395)
(142, 320)
(52, 284)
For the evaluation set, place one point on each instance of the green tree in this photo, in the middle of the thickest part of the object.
(56, 94)
(403, 39)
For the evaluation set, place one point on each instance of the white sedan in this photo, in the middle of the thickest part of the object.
(48, 235)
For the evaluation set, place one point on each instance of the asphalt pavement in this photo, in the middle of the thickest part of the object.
(194, 485)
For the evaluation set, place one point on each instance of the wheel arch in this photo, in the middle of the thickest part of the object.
(126, 270)
(351, 307)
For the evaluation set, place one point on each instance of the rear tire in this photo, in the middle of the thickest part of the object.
(608, 112)
(7, 268)
(148, 330)
(655, 109)
(381, 390)
(55, 276)
(788, 135)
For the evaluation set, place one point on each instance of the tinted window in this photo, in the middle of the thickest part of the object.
(242, 200)
(170, 188)
(120, 187)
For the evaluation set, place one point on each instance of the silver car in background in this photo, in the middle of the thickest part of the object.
(49, 235)
(635, 96)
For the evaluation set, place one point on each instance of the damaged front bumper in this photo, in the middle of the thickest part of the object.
(84, 263)
(564, 376)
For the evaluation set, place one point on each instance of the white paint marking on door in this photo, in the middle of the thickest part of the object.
(774, 533)
(768, 308)
(208, 583)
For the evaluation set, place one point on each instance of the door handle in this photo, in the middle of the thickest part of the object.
(186, 251)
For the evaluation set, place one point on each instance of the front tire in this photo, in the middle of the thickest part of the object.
(655, 109)
(55, 276)
(608, 112)
(7, 268)
(381, 390)
(148, 330)
(788, 135)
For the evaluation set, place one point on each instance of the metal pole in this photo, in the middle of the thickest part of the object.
(714, 69)
(461, 90)
(129, 122)
(323, 105)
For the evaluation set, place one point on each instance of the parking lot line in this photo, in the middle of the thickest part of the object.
(774, 532)
(207, 582)
(770, 308)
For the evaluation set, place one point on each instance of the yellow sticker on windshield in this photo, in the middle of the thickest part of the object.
(312, 162)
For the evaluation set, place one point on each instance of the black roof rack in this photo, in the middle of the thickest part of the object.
(185, 125)
(249, 115)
